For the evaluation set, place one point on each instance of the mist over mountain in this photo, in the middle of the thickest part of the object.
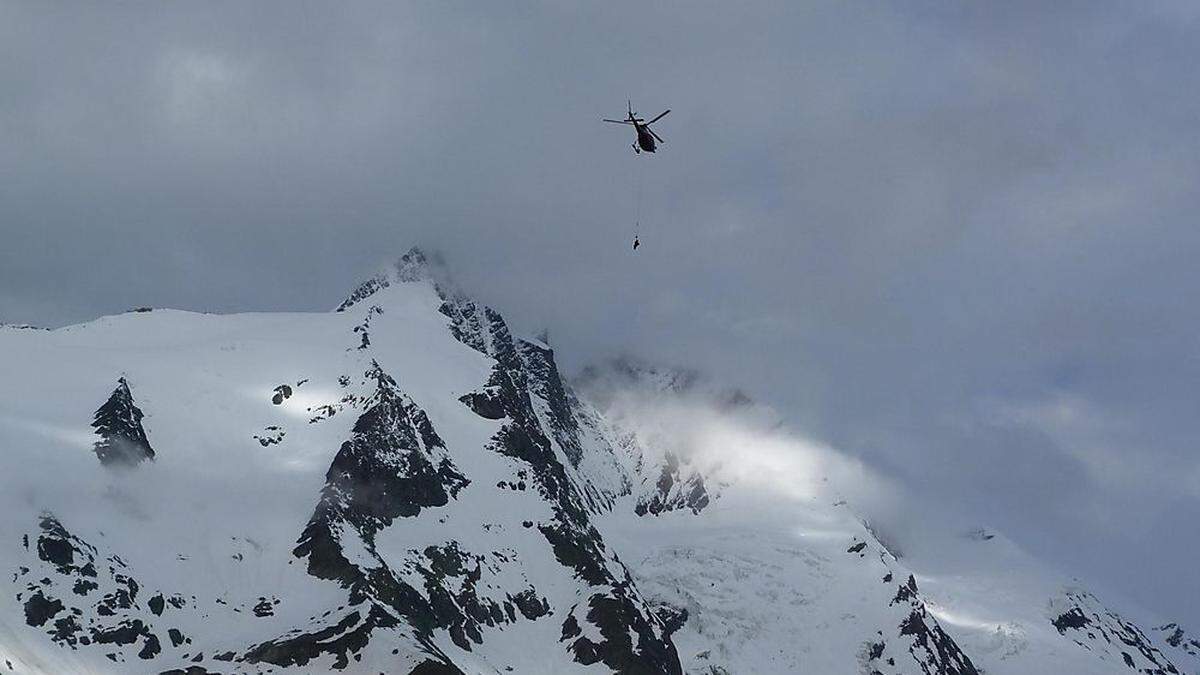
(954, 241)
(405, 484)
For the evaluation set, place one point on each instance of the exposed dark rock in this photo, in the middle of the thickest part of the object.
(570, 628)
(530, 606)
(124, 633)
(347, 636)
(118, 422)
(673, 492)
(524, 390)
(1073, 619)
(575, 542)
(485, 403)
(412, 266)
(617, 617)
(57, 551)
(431, 667)
(39, 609)
(271, 435)
(1089, 624)
(453, 587)
(264, 608)
(545, 384)
(66, 629)
(906, 592)
(122, 598)
(80, 620)
(151, 648)
(672, 618)
(933, 649)
(1175, 636)
(176, 637)
(875, 650)
(56, 546)
(394, 465)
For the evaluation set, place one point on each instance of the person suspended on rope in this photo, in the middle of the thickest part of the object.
(636, 243)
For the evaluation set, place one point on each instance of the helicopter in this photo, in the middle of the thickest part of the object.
(645, 135)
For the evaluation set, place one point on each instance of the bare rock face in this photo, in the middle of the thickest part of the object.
(118, 422)
(526, 386)
(450, 504)
(396, 467)
(85, 598)
(1080, 617)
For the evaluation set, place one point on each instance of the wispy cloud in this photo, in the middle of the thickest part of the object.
(954, 241)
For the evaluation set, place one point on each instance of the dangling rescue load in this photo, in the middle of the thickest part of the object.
(645, 135)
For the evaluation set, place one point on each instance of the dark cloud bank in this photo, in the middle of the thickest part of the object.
(958, 241)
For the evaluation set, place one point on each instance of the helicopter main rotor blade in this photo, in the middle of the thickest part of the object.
(618, 121)
(664, 114)
(656, 136)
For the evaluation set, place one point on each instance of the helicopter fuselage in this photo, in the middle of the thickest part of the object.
(644, 139)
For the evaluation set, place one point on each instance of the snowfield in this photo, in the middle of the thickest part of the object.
(403, 485)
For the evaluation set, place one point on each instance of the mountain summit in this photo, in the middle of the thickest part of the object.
(405, 485)
(412, 267)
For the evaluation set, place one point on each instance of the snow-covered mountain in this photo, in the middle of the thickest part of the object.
(402, 485)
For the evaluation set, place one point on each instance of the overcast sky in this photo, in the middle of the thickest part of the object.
(956, 239)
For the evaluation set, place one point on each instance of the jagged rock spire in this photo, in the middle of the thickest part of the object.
(118, 422)
(413, 266)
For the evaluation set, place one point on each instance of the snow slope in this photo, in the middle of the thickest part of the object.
(403, 485)
(784, 573)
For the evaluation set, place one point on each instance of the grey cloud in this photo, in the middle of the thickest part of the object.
(898, 224)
